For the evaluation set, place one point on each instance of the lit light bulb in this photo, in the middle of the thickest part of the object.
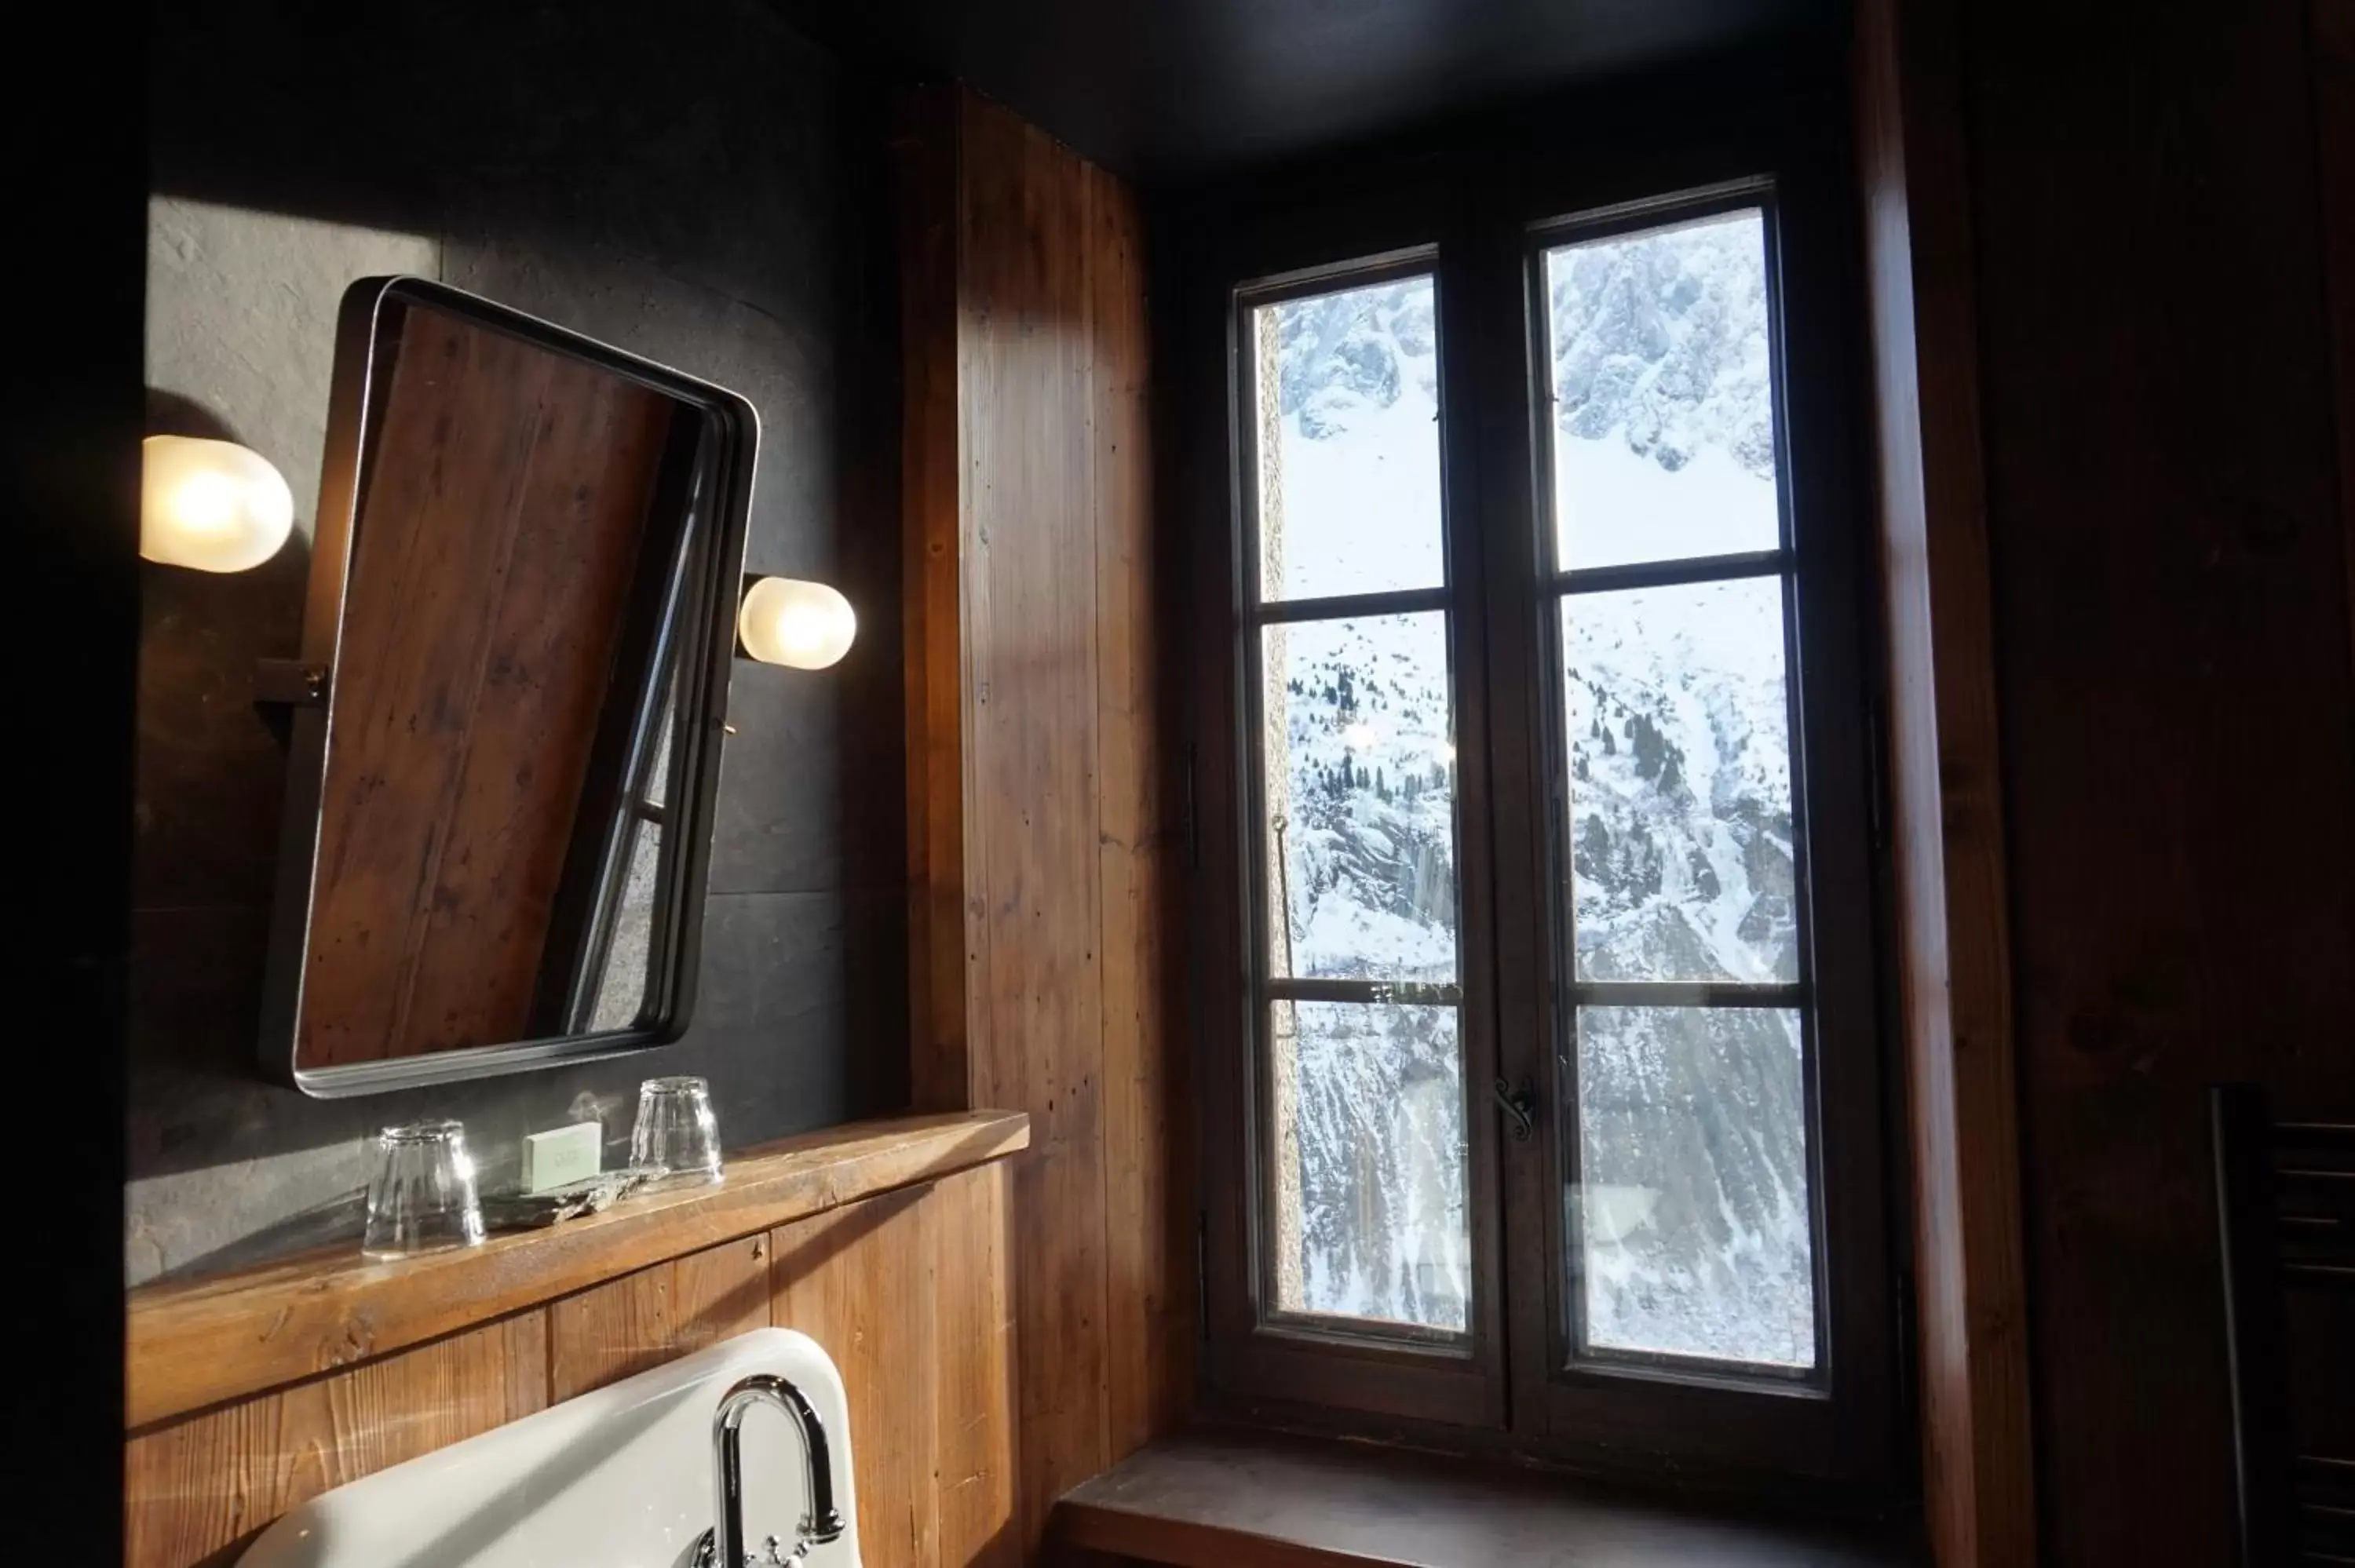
(213, 506)
(785, 621)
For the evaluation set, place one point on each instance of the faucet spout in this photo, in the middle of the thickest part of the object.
(821, 1524)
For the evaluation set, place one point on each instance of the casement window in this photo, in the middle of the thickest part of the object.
(1547, 1104)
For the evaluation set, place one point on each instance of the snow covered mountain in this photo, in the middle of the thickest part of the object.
(1694, 1208)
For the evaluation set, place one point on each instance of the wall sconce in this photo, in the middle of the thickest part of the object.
(213, 506)
(785, 621)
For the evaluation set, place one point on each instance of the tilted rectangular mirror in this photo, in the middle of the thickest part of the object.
(506, 739)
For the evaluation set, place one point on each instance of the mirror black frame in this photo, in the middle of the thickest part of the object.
(706, 620)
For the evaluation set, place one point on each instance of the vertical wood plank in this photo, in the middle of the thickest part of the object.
(2170, 562)
(2331, 28)
(939, 966)
(861, 1280)
(1945, 784)
(1041, 906)
(1147, 1255)
(974, 1460)
(642, 1320)
(1026, 360)
(198, 1488)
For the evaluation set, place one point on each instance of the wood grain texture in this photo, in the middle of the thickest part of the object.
(890, 1287)
(1945, 784)
(1150, 1322)
(202, 1341)
(2171, 616)
(940, 968)
(197, 1489)
(1032, 638)
(1028, 263)
(863, 1282)
(495, 544)
(2332, 28)
(1232, 1499)
(628, 1325)
(906, 1288)
(973, 1454)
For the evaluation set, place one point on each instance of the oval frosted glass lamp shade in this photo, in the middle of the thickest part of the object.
(213, 506)
(785, 621)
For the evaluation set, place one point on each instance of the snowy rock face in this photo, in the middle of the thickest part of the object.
(1692, 1218)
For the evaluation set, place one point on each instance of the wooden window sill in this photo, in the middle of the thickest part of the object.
(198, 1343)
(1232, 1499)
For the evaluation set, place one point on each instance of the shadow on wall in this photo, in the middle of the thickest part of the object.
(700, 186)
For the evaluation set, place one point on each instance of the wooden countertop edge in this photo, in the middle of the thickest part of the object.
(199, 1343)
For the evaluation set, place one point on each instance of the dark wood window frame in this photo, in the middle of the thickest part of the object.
(1483, 226)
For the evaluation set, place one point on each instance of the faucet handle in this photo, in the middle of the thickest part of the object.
(706, 1554)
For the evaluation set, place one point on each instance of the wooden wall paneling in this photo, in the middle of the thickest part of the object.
(943, 963)
(1148, 1233)
(2170, 601)
(2332, 26)
(974, 1455)
(907, 1290)
(200, 1342)
(861, 1281)
(1032, 643)
(1042, 900)
(1943, 759)
(198, 1489)
(637, 1322)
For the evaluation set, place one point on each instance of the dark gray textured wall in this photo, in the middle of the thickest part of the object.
(696, 183)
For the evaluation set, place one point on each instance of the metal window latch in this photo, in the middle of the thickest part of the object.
(290, 683)
(1519, 1102)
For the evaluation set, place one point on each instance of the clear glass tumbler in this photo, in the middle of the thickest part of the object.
(422, 1196)
(677, 1137)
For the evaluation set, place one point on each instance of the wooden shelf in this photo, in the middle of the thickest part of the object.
(198, 1343)
(1228, 1499)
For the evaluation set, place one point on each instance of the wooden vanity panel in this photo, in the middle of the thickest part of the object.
(893, 1253)
(197, 1489)
(198, 1343)
(974, 1457)
(864, 1283)
(507, 490)
(642, 1320)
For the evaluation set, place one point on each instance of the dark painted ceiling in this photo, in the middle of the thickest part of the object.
(1172, 89)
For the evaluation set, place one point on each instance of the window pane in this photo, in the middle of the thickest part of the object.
(1368, 1163)
(1691, 1213)
(1680, 834)
(1348, 435)
(1664, 406)
(1360, 835)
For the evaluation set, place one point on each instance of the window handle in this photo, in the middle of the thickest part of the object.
(1519, 1102)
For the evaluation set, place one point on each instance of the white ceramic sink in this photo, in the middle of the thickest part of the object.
(621, 1477)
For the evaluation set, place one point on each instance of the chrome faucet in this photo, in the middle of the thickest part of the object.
(722, 1545)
